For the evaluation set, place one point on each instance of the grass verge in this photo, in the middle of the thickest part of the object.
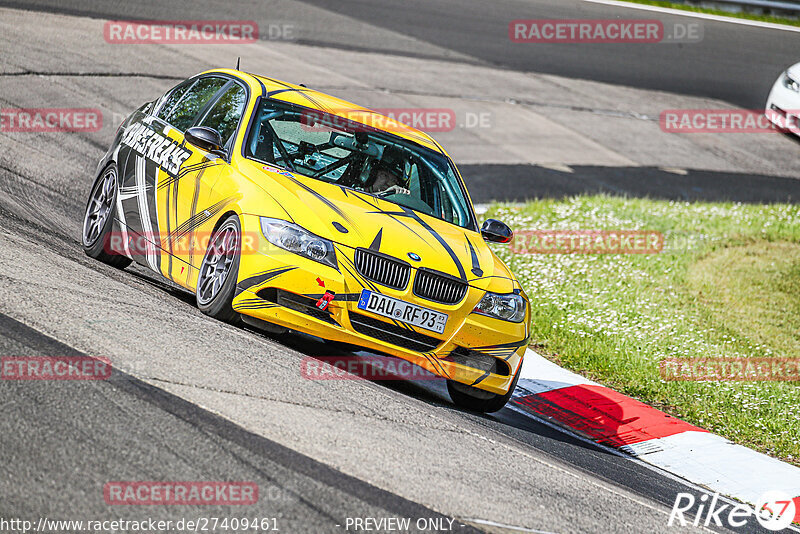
(721, 12)
(727, 284)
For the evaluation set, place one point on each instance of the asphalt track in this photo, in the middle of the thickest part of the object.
(60, 442)
(732, 62)
(199, 400)
(142, 428)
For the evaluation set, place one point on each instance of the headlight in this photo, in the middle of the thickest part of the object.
(295, 239)
(790, 83)
(509, 307)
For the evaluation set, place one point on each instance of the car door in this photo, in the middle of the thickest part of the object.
(201, 199)
(152, 159)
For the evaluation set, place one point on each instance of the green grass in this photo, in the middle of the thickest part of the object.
(749, 16)
(726, 285)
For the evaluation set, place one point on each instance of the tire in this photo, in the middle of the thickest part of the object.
(478, 400)
(219, 272)
(98, 220)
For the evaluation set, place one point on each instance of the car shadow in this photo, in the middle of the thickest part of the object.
(432, 390)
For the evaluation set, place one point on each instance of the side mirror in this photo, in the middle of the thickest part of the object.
(496, 231)
(205, 138)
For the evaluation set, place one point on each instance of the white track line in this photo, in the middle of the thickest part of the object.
(706, 16)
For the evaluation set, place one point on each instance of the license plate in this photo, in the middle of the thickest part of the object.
(402, 311)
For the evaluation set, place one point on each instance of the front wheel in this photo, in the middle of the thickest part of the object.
(99, 219)
(216, 283)
(478, 400)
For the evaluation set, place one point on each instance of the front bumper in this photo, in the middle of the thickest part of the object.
(783, 107)
(282, 288)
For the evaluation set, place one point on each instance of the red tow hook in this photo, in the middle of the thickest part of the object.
(326, 299)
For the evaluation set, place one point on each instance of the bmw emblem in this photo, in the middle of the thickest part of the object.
(413, 256)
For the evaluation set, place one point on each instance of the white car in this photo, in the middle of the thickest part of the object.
(783, 103)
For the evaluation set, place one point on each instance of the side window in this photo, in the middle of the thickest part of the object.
(189, 104)
(173, 97)
(224, 115)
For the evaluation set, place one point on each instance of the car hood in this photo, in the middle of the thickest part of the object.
(794, 71)
(354, 219)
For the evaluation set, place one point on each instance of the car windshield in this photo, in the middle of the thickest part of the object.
(338, 151)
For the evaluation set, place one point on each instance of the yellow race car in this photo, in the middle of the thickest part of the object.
(291, 209)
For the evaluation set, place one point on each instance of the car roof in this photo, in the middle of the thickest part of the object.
(318, 101)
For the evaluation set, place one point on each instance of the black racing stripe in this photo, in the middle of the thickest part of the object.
(376, 243)
(322, 199)
(174, 206)
(440, 239)
(200, 217)
(288, 90)
(196, 167)
(258, 79)
(277, 82)
(189, 225)
(436, 364)
(193, 211)
(360, 279)
(493, 276)
(476, 264)
(260, 278)
(168, 181)
(248, 302)
(262, 306)
(503, 350)
(315, 102)
(408, 212)
(511, 344)
(420, 138)
(368, 200)
(377, 207)
(300, 90)
(150, 181)
(481, 378)
(167, 230)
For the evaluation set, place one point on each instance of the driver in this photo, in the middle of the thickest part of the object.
(387, 178)
(386, 183)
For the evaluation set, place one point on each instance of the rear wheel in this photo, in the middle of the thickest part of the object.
(216, 283)
(478, 400)
(99, 219)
